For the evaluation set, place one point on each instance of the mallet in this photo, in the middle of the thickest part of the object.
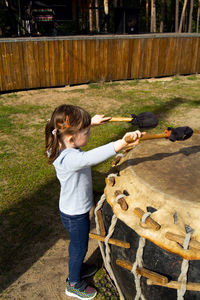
(143, 120)
(173, 134)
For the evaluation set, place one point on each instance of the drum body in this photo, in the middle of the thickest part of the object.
(161, 177)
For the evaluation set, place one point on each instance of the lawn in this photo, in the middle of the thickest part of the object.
(29, 190)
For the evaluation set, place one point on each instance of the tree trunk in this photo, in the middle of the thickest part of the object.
(177, 16)
(182, 15)
(106, 7)
(153, 16)
(190, 16)
(97, 15)
(147, 15)
(90, 17)
(84, 8)
(198, 14)
(162, 15)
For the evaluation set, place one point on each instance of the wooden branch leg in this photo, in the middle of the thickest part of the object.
(180, 239)
(191, 286)
(110, 241)
(101, 223)
(143, 272)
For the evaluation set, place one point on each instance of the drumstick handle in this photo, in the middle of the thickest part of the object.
(120, 119)
(150, 137)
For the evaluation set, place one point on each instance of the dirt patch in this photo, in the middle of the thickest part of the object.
(191, 118)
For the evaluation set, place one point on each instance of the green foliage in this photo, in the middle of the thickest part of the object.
(67, 27)
(8, 20)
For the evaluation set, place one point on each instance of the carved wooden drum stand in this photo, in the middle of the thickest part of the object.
(149, 221)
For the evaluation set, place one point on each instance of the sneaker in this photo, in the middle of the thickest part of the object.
(80, 290)
(88, 270)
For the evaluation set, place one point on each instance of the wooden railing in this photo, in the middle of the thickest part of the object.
(27, 63)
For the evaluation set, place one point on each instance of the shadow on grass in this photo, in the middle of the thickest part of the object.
(28, 229)
(166, 107)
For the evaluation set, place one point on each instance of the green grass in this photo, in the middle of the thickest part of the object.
(29, 190)
(192, 77)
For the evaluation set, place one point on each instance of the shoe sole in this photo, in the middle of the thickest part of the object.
(89, 275)
(79, 297)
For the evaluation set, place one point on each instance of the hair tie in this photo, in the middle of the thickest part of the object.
(54, 131)
(48, 153)
(66, 124)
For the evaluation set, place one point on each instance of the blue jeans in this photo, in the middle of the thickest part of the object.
(78, 227)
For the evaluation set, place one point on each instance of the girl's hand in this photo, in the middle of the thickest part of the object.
(134, 137)
(99, 119)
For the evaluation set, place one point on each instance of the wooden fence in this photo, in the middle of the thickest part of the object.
(27, 63)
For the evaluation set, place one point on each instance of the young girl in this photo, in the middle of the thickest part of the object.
(67, 131)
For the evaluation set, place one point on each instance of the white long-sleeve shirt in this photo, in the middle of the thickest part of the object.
(73, 169)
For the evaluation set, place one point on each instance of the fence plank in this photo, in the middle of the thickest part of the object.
(124, 59)
(194, 54)
(37, 59)
(1, 73)
(92, 61)
(42, 66)
(112, 59)
(75, 62)
(154, 58)
(102, 60)
(10, 66)
(80, 65)
(29, 65)
(66, 61)
(171, 59)
(136, 54)
(106, 60)
(6, 67)
(70, 53)
(46, 64)
(130, 51)
(185, 56)
(51, 63)
(147, 57)
(162, 56)
(18, 68)
(198, 58)
(3, 79)
(141, 59)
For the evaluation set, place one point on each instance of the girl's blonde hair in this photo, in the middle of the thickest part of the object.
(66, 119)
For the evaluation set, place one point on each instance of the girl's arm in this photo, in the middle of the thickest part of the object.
(76, 160)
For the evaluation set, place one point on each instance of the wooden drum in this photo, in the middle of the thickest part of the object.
(151, 216)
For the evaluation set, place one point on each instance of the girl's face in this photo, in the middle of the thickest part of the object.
(81, 138)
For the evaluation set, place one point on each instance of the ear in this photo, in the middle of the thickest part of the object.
(69, 139)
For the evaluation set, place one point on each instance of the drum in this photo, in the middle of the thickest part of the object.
(150, 215)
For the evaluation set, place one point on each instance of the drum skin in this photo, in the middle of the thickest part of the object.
(166, 176)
